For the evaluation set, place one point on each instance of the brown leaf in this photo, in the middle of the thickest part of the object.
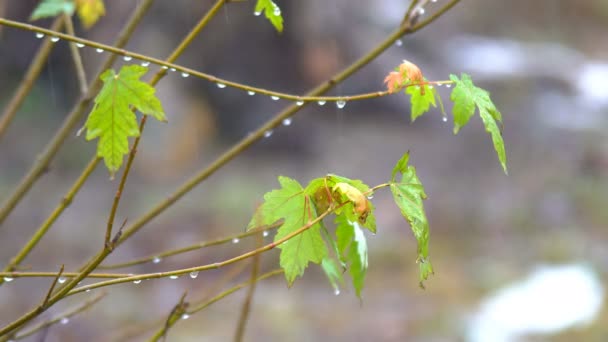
(360, 203)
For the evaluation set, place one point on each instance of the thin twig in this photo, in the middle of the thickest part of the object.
(190, 248)
(207, 303)
(246, 308)
(28, 80)
(68, 314)
(71, 120)
(50, 292)
(80, 73)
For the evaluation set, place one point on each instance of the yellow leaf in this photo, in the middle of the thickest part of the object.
(89, 11)
(360, 203)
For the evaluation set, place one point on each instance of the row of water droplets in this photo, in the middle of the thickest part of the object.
(339, 103)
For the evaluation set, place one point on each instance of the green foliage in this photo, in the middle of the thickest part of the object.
(53, 8)
(466, 96)
(408, 194)
(272, 13)
(112, 119)
(353, 248)
(422, 97)
(333, 273)
(291, 204)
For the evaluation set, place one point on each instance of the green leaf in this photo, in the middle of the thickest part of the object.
(53, 8)
(353, 248)
(272, 13)
(466, 96)
(333, 273)
(294, 206)
(408, 194)
(422, 97)
(112, 120)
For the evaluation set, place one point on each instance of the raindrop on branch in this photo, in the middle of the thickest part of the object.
(55, 39)
(39, 35)
(287, 121)
(165, 67)
(156, 260)
(193, 274)
(99, 50)
(8, 279)
(79, 45)
(321, 102)
(251, 93)
(173, 69)
(145, 63)
(61, 280)
(340, 104)
(398, 42)
(127, 58)
(235, 240)
(267, 134)
(444, 119)
(265, 233)
(448, 85)
(221, 85)
(173, 277)
(299, 103)
(185, 74)
(185, 316)
(137, 281)
(257, 13)
(274, 98)
(64, 320)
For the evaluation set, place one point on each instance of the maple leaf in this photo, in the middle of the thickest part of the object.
(466, 97)
(408, 194)
(393, 81)
(52, 8)
(352, 247)
(89, 11)
(112, 120)
(291, 204)
(407, 73)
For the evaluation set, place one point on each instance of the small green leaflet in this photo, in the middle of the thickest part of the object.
(53, 8)
(408, 194)
(353, 248)
(295, 207)
(112, 120)
(466, 96)
(422, 100)
(272, 13)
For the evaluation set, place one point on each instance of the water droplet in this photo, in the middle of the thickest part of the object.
(257, 13)
(221, 85)
(433, 0)
(421, 10)
(340, 104)
(137, 281)
(448, 85)
(185, 74)
(444, 119)
(173, 69)
(321, 102)
(64, 320)
(8, 279)
(99, 50)
(337, 292)
(55, 39)
(299, 103)
(370, 197)
(398, 42)
(265, 233)
(39, 35)
(185, 316)
(127, 58)
(193, 274)
(145, 63)
(277, 11)
(79, 45)
(439, 84)
(235, 240)
(165, 67)
(267, 134)
(61, 280)
(287, 122)
(87, 290)
(156, 260)
(173, 277)
(251, 93)
(274, 98)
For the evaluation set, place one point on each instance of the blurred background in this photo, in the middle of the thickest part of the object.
(521, 257)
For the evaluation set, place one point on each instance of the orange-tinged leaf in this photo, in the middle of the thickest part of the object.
(411, 71)
(393, 81)
(89, 11)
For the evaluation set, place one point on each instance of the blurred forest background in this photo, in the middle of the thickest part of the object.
(544, 61)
